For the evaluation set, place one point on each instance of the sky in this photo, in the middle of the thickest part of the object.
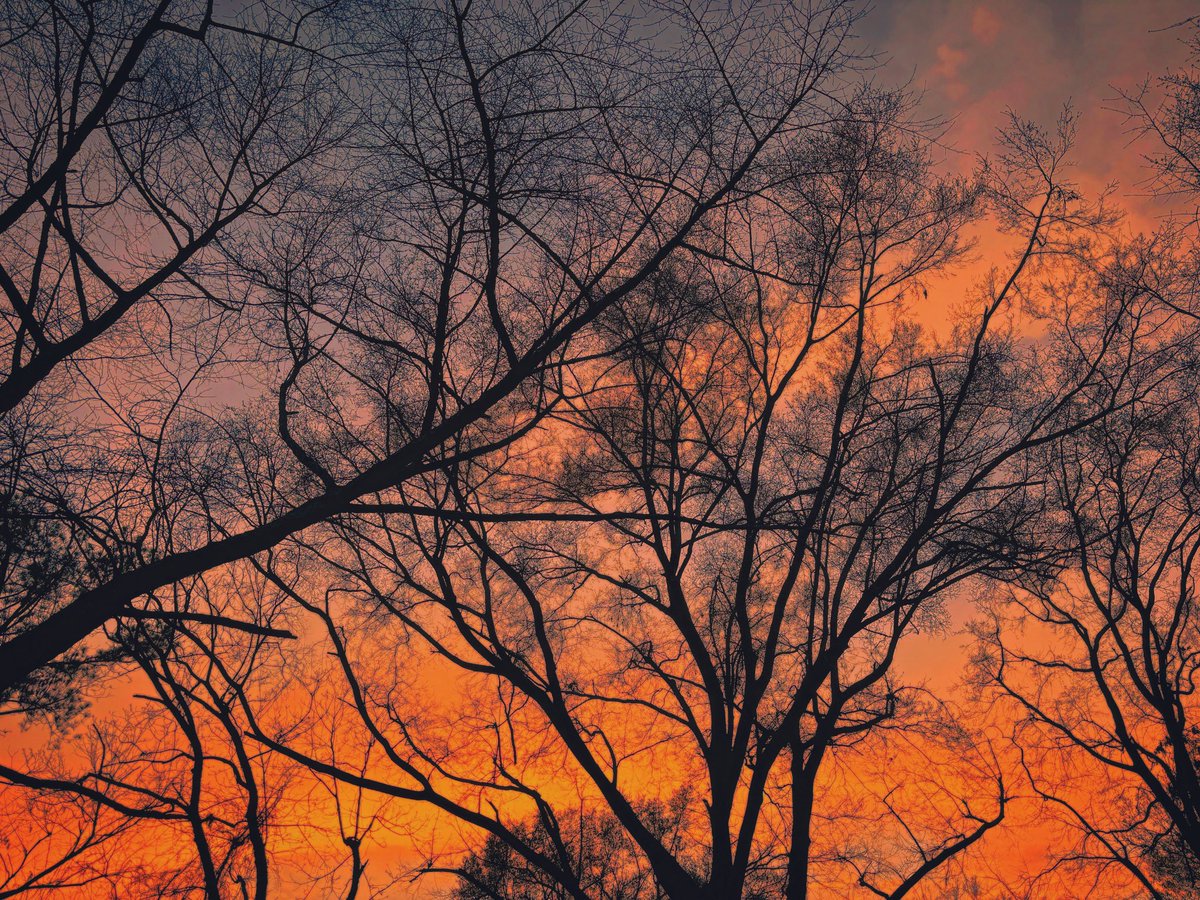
(972, 61)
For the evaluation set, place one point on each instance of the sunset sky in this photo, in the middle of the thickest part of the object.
(555, 450)
(974, 61)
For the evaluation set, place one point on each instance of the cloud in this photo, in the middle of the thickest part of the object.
(985, 25)
(950, 61)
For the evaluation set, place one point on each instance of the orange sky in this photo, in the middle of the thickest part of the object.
(973, 61)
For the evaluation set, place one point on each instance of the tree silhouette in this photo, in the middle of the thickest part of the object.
(507, 447)
(1098, 660)
(525, 171)
(751, 487)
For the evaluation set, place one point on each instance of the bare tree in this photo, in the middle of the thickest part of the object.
(60, 840)
(515, 173)
(1096, 653)
(1166, 111)
(351, 248)
(926, 790)
(137, 137)
(176, 767)
(607, 864)
(759, 478)
(1101, 662)
(117, 172)
(549, 378)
